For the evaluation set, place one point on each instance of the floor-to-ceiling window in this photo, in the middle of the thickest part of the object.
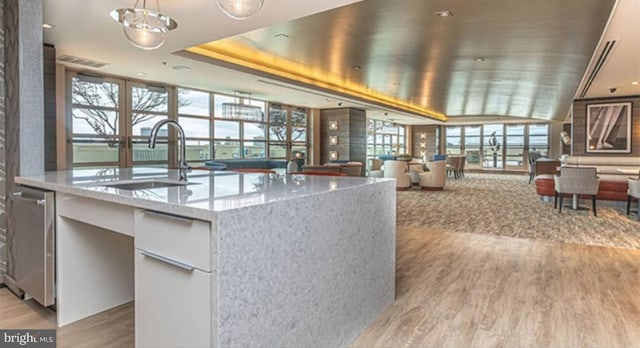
(453, 137)
(472, 141)
(514, 146)
(110, 121)
(497, 146)
(385, 138)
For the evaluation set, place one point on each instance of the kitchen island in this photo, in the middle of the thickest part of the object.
(229, 260)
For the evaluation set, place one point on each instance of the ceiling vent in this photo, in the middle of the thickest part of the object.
(82, 61)
(602, 58)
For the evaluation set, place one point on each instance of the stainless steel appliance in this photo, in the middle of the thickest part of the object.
(34, 244)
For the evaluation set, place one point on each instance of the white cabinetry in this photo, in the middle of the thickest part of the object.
(172, 281)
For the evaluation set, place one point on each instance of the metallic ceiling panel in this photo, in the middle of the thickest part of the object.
(535, 52)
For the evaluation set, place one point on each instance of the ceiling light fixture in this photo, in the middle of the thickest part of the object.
(48, 26)
(635, 83)
(241, 108)
(281, 36)
(240, 9)
(444, 13)
(144, 28)
(356, 67)
(479, 59)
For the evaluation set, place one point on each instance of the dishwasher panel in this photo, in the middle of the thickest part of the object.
(34, 245)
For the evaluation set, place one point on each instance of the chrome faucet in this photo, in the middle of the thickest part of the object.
(183, 167)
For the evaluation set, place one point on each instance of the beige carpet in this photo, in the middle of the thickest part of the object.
(506, 205)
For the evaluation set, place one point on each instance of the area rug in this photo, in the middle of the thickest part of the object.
(506, 205)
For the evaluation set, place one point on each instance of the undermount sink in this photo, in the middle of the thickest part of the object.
(146, 184)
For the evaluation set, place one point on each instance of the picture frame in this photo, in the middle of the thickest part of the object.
(609, 128)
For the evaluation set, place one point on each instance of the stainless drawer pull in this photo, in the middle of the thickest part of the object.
(18, 196)
(168, 216)
(172, 262)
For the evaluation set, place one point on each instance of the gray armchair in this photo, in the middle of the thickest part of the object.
(576, 181)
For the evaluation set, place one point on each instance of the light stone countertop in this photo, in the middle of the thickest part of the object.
(208, 192)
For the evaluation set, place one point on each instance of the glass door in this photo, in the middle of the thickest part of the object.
(288, 127)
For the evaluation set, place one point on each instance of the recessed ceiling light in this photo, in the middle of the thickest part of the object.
(282, 36)
(479, 59)
(141, 74)
(181, 68)
(444, 13)
(356, 67)
(48, 26)
(635, 83)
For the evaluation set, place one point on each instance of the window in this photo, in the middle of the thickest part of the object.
(194, 115)
(148, 106)
(96, 126)
(453, 140)
(112, 119)
(385, 138)
(472, 142)
(514, 146)
(492, 146)
(539, 139)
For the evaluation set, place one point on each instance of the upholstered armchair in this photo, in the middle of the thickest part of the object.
(435, 178)
(576, 181)
(633, 192)
(374, 168)
(398, 170)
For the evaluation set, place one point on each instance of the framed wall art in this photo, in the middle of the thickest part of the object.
(609, 128)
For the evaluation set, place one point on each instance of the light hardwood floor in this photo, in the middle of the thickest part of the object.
(110, 329)
(472, 290)
(456, 290)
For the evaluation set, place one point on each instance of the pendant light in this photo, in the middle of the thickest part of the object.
(144, 28)
(240, 9)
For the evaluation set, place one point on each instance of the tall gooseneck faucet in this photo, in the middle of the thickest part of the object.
(183, 167)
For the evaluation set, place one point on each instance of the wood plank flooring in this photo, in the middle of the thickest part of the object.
(471, 290)
(110, 329)
(455, 290)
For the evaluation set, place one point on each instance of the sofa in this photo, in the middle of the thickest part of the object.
(613, 183)
(233, 164)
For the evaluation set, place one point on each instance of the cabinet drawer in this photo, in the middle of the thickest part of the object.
(172, 306)
(110, 216)
(182, 239)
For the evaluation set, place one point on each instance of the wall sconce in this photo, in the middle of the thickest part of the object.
(333, 155)
(423, 136)
(566, 138)
(333, 125)
(333, 140)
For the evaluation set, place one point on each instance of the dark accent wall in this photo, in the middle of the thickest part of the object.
(431, 141)
(352, 134)
(579, 125)
(49, 70)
